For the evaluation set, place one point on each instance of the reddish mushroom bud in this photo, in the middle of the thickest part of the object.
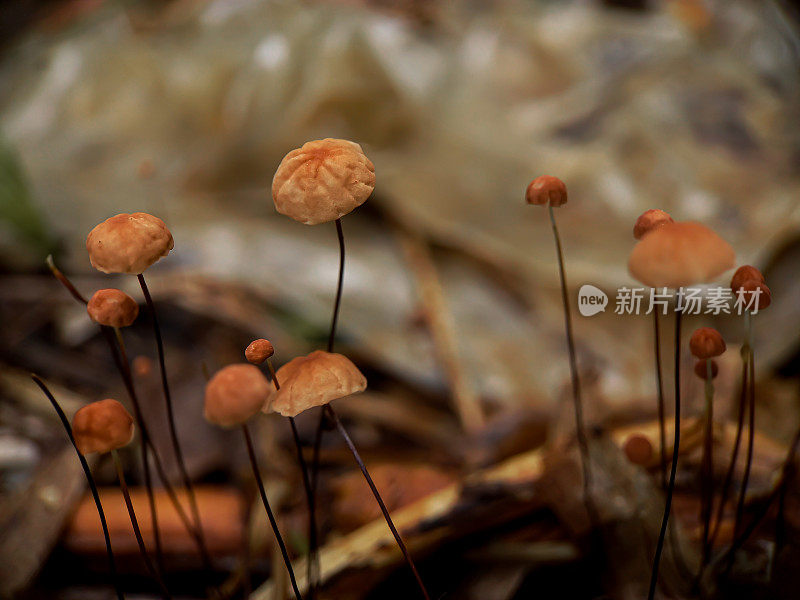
(234, 394)
(113, 308)
(706, 342)
(638, 449)
(744, 274)
(754, 295)
(546, 190)
(701, 369)
(258, 351)
(102, 427)
(650, 220)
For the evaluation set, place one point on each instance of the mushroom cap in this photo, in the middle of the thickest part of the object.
(322, 181)
(128, 243)
(638, 449)
(314, 380)
(706, 342)
(749, 288)
(234, 394)
(113, 308)
(650, 220)
(680, 254)
(102, 426)
(701, 368)
(545, 190)
(744, 274)
(258, 351)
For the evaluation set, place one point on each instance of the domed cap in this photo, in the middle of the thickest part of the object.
(322, 181)
(234, 394)
(680, 254)
(113, 308)
(753, 292)
(650, 220)
(638, 449)
(745, 274)
(102, 427)
(545, 190)
(706, 342)
(314, 380)
(128, 243)
(258, 351)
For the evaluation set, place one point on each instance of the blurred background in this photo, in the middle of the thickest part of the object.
(451, 302)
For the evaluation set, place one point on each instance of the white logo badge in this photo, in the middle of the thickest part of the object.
(591, 300)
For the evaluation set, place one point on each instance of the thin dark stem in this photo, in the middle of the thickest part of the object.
(751, 417)
(675, 449)
(662, 429)
(707, 467)
(136, 530)
(335, 418)
(173, 433)
(112, 565)
(64, 281)
(583, 442)
(254, 463)
(312, 574)
(339, 286)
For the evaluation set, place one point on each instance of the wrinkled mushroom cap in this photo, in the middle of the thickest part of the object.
(545, 190)
(322, 181)
(706, 342)
(680, 254)
(650, 220)
(128, 243)
(314, 380)
(113, 308)
(102, 426)
(234, 394)
(258, 351)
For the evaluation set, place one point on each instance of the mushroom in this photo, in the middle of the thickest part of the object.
(112, 308)
(546, 190)
(638, 449)
(706, 342)
(650, 220)
(258, 351)
(101, 427)
(128, 243)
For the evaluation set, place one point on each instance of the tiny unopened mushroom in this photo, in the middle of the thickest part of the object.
(755, 295)
(701, 368)
(128, 243)
(546, 190)
(680, 254)
(639, 449)
(706, 342)
(102, 426)
(314, 380)
(234, 394)
(650, 220)
(113, 308)
(322, 181)
(258, 351)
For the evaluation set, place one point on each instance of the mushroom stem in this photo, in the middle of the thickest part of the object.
(123, 485)
(675, 450)
(335, 418)
(337, 302)
(148, 480)
(112, 565)
(312, 574)
(751, 417)
(662, 430)
(707, 466)
(64, 281)
(583, 442)
(254, 463)
(173, 433)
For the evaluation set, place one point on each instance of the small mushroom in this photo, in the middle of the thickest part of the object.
(701, 369)
(113, 308)
(234, 394)
(128, 243)
(680, 254)
(322, 181)
(745, 274)
(752, 288)
(314, 380)
(546, 190)
(258, 351)
(101, 427)
(706, 342)
(650, 220)
(639, 449)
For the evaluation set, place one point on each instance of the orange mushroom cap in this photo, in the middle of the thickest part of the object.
(546, 190)
(753, 287)
(102, 426)
(128, 243)
(650, 220)
(701, 369)
(680, 254)
(314, 380)
(322, 181)
(744, 274)
(638, 449)
(113, 308)
(234, 394)
(706, 342)
(258, 351)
